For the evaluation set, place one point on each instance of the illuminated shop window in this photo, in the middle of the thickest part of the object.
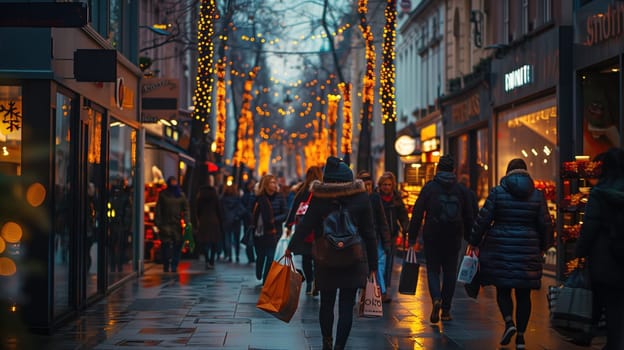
(11, 130)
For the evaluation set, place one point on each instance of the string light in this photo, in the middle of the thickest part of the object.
(388, 69)
(221, 108)
(332, 117)
(202, 105)
(345, 90)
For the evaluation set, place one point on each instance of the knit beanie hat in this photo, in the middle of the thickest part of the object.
(336, 170)
(446, 163)
(516, 163)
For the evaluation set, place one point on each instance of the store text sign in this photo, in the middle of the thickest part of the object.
(463, 111)
(605, 25)
(518, 77)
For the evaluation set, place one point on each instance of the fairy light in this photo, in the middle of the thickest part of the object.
(345, 91)
(244, 152)
(221, 108)
(388, 69)
(368, 93)
(202, 105)
(332, 117)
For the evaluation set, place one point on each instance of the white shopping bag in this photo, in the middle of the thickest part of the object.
(370, 299)
(282, 245)
(468, 268)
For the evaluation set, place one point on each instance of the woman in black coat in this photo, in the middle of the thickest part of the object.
(339, 186)
(512, 231)
(604, 212)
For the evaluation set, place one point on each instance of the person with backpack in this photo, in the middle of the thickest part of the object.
(448, 214)
(601, 241)
(511, 233)
(338, 201)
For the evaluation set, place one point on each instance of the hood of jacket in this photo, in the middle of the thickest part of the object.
(336, 190)
(445, 178)
(518, 183)
(613, 194)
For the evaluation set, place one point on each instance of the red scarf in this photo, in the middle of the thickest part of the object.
(387, 197)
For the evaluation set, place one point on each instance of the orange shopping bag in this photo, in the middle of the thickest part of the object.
(280, 294)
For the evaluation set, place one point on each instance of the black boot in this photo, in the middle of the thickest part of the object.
(328, 343)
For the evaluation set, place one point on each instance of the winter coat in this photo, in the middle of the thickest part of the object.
(273, 211)
(382, 231)
(292, 219)
(396, 214)
(512, 230)
(209, 216)
(440, 237)
(168, 213)
(233, 213)
(604, 204)
(354, 198)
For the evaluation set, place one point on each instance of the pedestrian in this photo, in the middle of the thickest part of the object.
(268, 216)
(444, 204)
(382, 232)
(314, 173)
(511, 234)
(171, 208)
(396, 217)
(338, 185)
(248, 199)
(210, 232)
(233, 215)
(603, 218)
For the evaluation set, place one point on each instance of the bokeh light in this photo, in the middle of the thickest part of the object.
(2, 245)
(35, 195)
(7, 267)
(11, 232)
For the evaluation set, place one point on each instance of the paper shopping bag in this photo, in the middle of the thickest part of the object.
(408, 280)
(468, 268)
(280, 294)
(370, 299)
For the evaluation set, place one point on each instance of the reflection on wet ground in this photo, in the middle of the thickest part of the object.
(215, 309)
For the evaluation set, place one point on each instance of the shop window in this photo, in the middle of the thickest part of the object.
(483, 160)
(120, 211)
(600, 105)
(11, 130)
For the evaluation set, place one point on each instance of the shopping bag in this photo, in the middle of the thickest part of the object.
(572, 303)
(282, 245)
(408, 279)
(188, 241)
(303, 206)
(370, 299)
(280, 293)
(469, 266)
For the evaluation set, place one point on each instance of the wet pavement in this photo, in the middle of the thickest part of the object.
(215, 309)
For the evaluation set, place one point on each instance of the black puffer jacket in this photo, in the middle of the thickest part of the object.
(354, 197)
(603, 208)
(512, 230)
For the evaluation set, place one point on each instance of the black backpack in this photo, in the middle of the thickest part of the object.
(340, 245)
(448, 210)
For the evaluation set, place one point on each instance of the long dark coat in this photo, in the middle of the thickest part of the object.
(209, 216)
(512, 230)
(170, 209)
(354, 197)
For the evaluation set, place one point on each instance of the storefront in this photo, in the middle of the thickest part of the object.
(73, 147)
(467, 130)
(598, 112)
(531, 97)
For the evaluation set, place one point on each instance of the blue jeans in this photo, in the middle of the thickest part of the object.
(346, 302)
(265, 251)
(381, 267)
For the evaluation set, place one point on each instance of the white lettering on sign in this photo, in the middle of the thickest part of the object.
(518, 77)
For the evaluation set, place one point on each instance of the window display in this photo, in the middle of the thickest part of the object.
(10, 130)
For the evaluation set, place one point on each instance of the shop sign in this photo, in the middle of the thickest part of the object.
(405, 145)
(431, 145)
(518, 77)
(159, 99)
(604, 26)
(462, 112)
(124, 96)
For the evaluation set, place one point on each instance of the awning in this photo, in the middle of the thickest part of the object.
(158, 142)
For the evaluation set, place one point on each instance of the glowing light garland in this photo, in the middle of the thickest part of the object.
(368, 93)
(244, 152)
(388, 69)
(202, 105)
(332, 117)
(221, 109)
(347, 123)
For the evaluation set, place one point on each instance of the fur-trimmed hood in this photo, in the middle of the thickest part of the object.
(336, 189)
